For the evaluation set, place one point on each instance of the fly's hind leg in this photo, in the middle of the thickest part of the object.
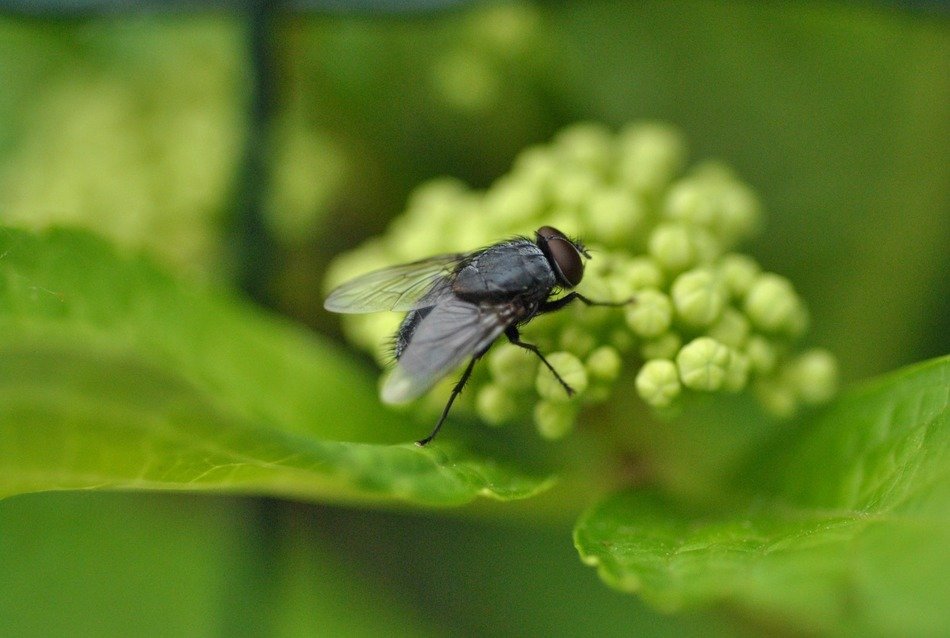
(515, 338)
(457, 390)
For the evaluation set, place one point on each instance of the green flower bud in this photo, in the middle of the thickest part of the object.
(621, 339)
(732, 328)
(663, 347)
(708, 247)
(814, 374)
(714, 199)
(604, 363)
(406, 237)
(432, 217)
(671, 245)
(554, 419)
(658, 383)
(511, 367)
(650, 155)
(435, 193)
(777, 398)
(614, 216)
(650, 315)
(494, 405)
(698, 297)
(536, 167)
(773, 305)
(593, 321)
(799, 321)
(688, 201)
(703, 363)
(609, 286)
(739, 212)
(569, 368)
(619, 288)
(737, 373)
(577, 340)
(469, 230)
(597, 393)
(606, 264)
(511, 202)
(588, 144)
(738, 273)
(574, 188)
(762, 354)
(643, 272)
(565, 219)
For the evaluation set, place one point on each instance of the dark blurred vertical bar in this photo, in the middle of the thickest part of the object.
(254, 247)
(251, 608)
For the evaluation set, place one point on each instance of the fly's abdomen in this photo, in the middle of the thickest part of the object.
(407, 329)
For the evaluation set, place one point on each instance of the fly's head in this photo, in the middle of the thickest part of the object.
(564, 255)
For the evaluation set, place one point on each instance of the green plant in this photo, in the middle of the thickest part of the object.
(177, 460)
(115, 375)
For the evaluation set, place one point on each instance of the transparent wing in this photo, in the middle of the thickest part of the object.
(402, 287)
(452, 331)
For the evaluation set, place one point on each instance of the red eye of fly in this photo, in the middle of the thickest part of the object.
(563, 255)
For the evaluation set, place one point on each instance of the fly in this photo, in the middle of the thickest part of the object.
(459, 303)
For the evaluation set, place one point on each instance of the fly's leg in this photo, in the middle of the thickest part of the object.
(457, 390)
(515, 338)
(557, 304)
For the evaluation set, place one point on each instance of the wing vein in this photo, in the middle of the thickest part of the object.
(404, 287)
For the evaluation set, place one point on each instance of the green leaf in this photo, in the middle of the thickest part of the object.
(847, 526)
(115, 376)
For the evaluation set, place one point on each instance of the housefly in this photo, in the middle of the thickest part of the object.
(459, 303)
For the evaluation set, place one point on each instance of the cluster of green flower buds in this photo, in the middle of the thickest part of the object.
(705, 318)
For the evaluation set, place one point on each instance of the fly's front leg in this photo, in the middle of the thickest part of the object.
(557, 304)
(515, 338)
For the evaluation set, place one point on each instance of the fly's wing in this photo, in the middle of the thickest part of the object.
(452, 331)
(419, 284)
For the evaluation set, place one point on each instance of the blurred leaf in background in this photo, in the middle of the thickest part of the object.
(135, 126)
(110, 124)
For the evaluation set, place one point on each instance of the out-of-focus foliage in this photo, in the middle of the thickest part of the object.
(135, 127)
(113, 126)
(836, 114)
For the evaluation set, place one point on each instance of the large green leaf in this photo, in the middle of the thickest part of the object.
(847, 527)
(114, 375)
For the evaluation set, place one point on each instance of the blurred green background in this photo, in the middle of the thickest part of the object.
(247, 150)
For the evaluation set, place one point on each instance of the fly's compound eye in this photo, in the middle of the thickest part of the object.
(564, 256)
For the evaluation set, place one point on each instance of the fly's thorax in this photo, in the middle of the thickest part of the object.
(516, 268)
